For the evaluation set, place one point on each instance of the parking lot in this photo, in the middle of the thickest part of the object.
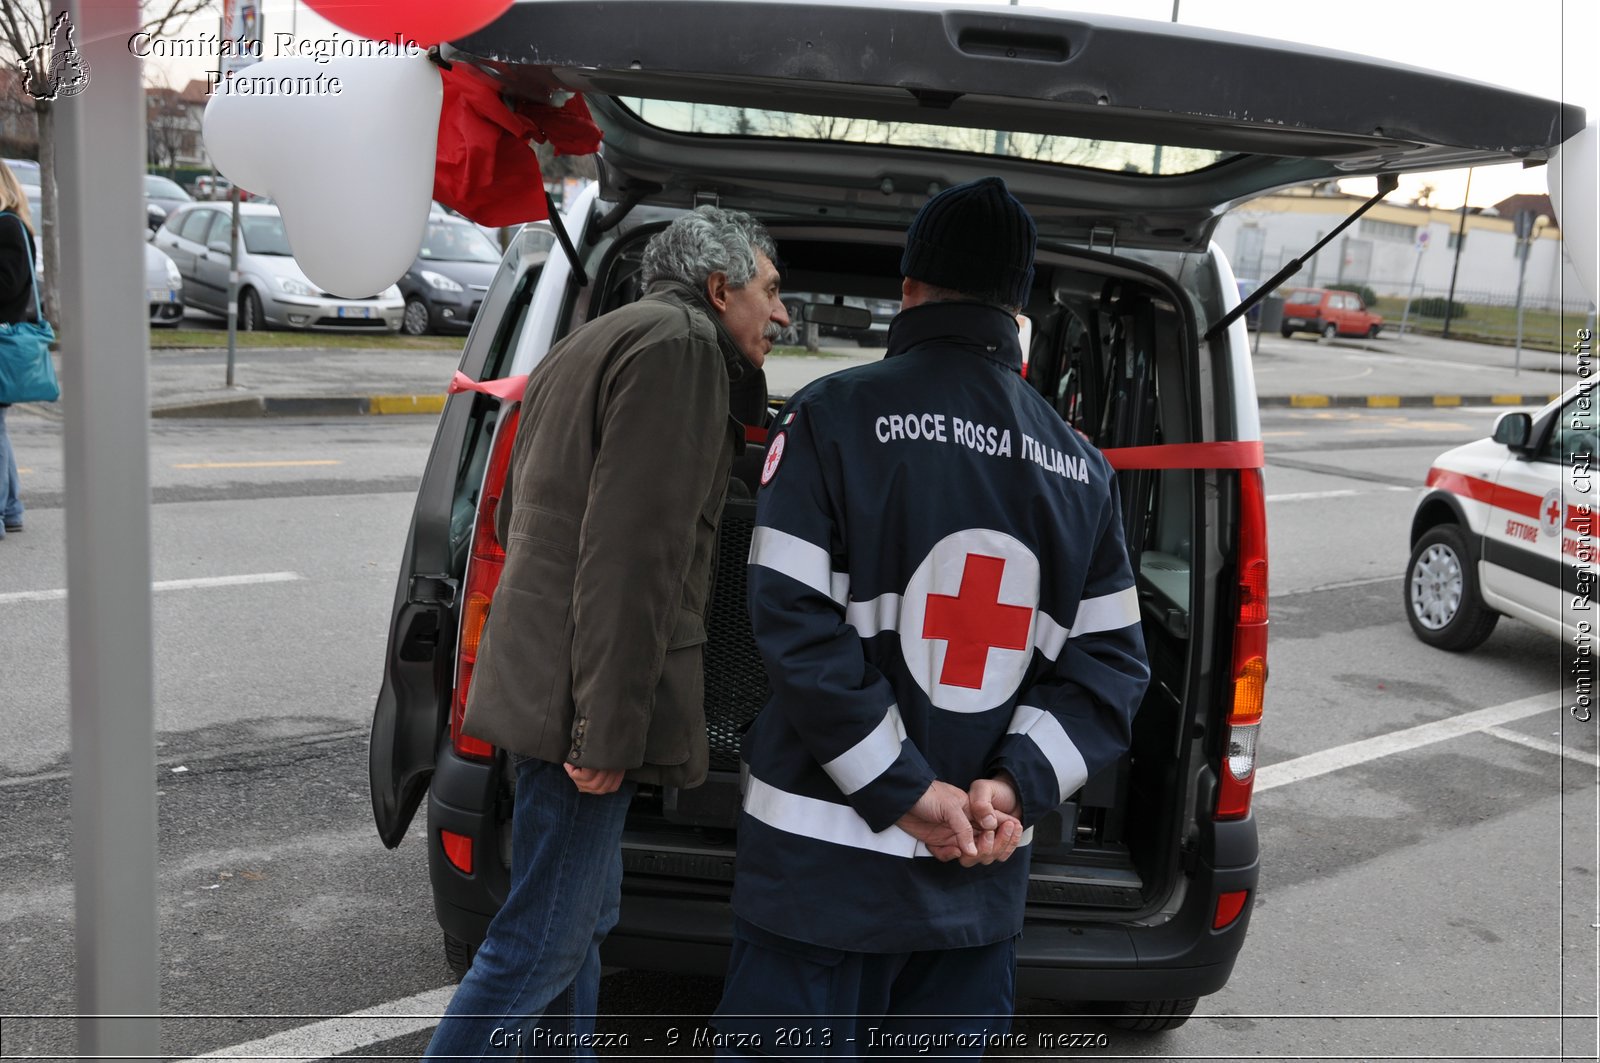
(1428, 819)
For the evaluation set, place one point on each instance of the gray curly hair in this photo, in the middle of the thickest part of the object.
(707, 240)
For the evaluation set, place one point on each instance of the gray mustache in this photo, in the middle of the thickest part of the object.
(772, 331)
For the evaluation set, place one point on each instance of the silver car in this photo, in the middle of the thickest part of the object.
(274, 291)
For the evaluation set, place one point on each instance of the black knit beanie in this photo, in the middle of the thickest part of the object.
(974, 238)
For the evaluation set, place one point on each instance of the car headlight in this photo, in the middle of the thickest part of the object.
(291, 286)
(174, 278)
(440, 281)
(392, 292)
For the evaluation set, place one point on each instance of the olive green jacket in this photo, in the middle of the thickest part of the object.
(592, 651)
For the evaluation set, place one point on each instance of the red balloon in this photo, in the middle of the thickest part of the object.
(424, 21)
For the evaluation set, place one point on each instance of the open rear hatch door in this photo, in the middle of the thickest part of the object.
(1144, 131)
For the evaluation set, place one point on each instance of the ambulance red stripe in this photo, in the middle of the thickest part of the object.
(1507, 498)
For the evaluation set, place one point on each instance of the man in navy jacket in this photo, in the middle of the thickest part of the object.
(942, 596)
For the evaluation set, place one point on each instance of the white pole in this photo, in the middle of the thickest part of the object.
(1411, 289)
(1523, 243)
(105, 351)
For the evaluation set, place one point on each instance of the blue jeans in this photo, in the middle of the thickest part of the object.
(541, 958)
(10, 483)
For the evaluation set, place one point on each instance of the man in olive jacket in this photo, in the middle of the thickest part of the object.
(590, 668)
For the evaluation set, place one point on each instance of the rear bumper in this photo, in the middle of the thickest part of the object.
(674, 925)
(663, 930)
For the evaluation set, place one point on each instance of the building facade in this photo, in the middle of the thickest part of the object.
(1393, 243)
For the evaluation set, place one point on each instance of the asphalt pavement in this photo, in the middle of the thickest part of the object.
(1301, 371)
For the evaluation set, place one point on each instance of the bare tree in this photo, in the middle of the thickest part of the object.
(36, 42)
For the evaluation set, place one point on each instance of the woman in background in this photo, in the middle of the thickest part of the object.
(16, 304)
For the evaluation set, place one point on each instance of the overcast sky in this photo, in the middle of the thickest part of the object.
(1543, 47)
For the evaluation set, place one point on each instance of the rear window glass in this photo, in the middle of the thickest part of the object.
(1302, 295)
(720, 120)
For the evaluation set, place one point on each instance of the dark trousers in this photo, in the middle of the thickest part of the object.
(787, 999)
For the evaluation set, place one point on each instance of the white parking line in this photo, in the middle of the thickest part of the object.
(1353, 753)
(333, 1037)
(60, 593)
(1544, 745)
(1307, 496)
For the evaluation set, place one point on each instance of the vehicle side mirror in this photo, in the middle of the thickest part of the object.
(1514, 430)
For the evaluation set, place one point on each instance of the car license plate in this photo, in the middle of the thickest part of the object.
(1294, 321)
(163, 295)
(355, 311)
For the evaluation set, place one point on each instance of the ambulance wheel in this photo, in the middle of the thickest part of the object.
(1149, 1016)
(1441, 592)
(458, 954)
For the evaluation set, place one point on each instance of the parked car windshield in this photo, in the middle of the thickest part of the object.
(453, 241)
(264, 235)
(156, 185)
(1038, 147)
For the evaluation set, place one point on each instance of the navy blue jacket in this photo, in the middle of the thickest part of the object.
(940, 590)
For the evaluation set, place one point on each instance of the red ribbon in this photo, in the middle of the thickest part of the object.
(1226, 454)
(506, 389)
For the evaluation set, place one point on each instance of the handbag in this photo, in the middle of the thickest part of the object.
(26, 372)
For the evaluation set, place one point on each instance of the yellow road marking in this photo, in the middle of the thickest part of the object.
(1308, 401)
(1506, 400)
(1386, 401)
(405, 404)
(1447, 400)
(254, 464)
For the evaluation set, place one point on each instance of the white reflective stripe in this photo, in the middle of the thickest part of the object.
(828, 822)
(1109, 612)
(869, 618)
(1048, 636)
(825, 821)
(1045, 731)
(805, 562)
(870, 757)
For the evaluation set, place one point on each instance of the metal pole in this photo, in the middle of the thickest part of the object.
(105, 355)
(233, 284)
(1410, 291)
(1522, 273)
(1455, 268)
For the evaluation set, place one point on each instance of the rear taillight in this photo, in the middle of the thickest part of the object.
(457, 849)
(488, 557)
(1249, 672)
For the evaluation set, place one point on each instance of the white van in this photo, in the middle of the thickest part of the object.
(834, 123)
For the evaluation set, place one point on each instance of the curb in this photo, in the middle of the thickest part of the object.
(1389, 402)
(305, 406)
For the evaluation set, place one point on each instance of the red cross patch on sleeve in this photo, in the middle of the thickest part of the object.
(769, 468)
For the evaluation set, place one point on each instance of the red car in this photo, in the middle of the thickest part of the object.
(1327, 313)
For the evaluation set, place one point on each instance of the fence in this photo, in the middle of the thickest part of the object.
(1490, 316)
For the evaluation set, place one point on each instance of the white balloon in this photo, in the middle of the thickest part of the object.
(346, 149)
(1573, 174)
